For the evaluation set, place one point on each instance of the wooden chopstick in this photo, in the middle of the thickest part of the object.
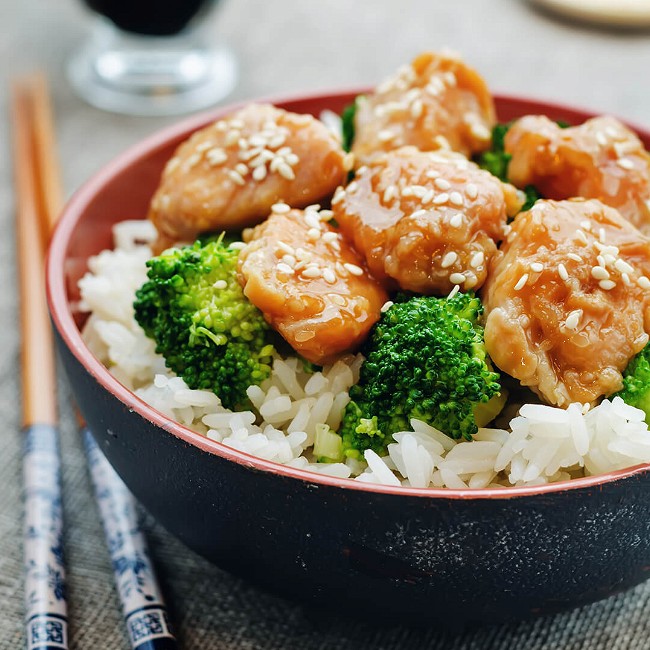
(45, 601)
(143, 606)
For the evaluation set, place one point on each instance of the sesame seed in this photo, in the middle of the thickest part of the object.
(231, 138)
(625, 163)
(337, 299)
(416, 108)
(340, 269)
(286, 171)
(313, 233)
(643, 282)
(326, 215)
(221, 125)
(280, 208)
(456, 221)
(573, 319)
(407, 191)
(477, 259)
(585, 225)
(220, 284)
(606, 284)
(419, 191)
(330, 237)
(236, 123)
(259, 173)
(626, 279)
(289, 260)
(453, 292)
(602, 235)
(581, 236)
(303, 336)
(599, 273)
(471, 190)
(390, 193)
(432, 173)
(237, 245)
(352, 187)
(312, 272)
(457, 278)
(329, 276)
(441, 199)
(427, 197)
(353, 268)
(192, 160)
(601, 139)
(609, 259)
(480, 131)
(311, 218)
(574, 257)
(348, 161)
(241, 168)
(456, 198)
(292, 159)
(418, 213)
(385, 135)
(277, 141)
(284, 268)
(623, 267)
(521, 283)
(537, 267)
(449, 259)
(442, 184)
(236, 177)
(282, 245)
(386, 306)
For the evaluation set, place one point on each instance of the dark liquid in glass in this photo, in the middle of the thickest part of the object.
(151, 17)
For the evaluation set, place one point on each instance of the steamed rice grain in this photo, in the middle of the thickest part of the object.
(543, 443)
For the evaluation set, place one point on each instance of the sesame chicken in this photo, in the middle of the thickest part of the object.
(309, 283)
(425, 221)
(567, 303)
(436, 102)
(229, 174)
(600, 159)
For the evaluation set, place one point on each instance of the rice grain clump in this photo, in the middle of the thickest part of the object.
(544, 444)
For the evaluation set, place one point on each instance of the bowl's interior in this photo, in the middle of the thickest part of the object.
(122, 190)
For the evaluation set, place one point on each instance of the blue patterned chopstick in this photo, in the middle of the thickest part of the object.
(45, 603)
(144, 610)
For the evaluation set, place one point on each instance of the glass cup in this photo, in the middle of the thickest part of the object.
(146, 57)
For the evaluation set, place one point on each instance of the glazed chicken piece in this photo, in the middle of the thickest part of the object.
(568, 302)
(425, 221)
(436, 102)
(311, 286)
(600, 159)
(229, 174)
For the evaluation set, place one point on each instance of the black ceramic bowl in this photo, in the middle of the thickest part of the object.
(434, 555)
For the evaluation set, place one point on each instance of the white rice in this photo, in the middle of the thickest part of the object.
(543, 444)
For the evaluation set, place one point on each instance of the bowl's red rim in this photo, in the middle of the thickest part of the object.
(64, 323)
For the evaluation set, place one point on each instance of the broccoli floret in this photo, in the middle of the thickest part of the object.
(347, 125)
(496, 161)
(636, 382)
(425, 359)
(209, 333)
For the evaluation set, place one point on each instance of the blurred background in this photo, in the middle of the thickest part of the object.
(284, 47)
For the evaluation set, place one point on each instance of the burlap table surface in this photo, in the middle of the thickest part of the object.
(285, 46)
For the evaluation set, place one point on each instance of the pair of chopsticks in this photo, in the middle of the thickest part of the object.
(39, 198)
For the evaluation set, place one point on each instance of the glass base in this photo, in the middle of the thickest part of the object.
(154, 76)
